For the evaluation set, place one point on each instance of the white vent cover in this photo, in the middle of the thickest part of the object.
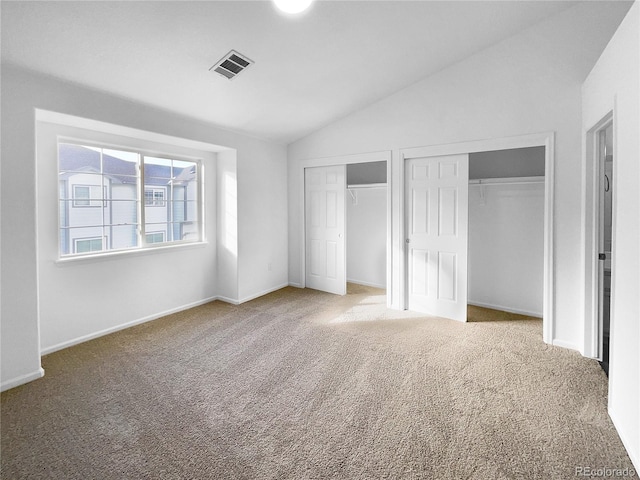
(231, 64)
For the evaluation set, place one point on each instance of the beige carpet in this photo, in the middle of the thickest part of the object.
(304, 385)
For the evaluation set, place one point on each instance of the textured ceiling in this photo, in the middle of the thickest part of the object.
(309, 70)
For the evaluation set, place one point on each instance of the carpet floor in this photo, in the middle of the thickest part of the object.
(300, 384)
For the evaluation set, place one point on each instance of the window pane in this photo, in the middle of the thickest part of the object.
(100, 194)
(157, 171)
(185, 172)
(88, 245)
(185, 191)
(81, 213)
(123, 236)
(185, 183)
(81, 240)
(155, 237)
(155, 210)
(88, 195)
(82, 187)
(189, 231)
(121, 212)
(119, 165)
(183, 164)
(155, 196)
(124, 189)
(81, 196)
(184, 211)
(159, 228)
(78, 158)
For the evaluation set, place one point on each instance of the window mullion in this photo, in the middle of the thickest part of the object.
(170, 204)
(141, 203)
(200, 200)
(104, 233)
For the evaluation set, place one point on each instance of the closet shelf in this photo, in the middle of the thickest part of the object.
(507, 181)
(366, 185)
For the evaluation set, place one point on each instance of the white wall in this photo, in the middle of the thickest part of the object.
(506, 247)
(82, 298)
(367, 237)
(262, 221)
(261, 182)
(614, 84)
(227, 226)
(529, 83)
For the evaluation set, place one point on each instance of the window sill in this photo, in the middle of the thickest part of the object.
(72, 260)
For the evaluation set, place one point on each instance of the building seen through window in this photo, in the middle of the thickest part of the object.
(116, 199)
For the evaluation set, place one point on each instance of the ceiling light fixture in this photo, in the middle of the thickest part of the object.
(293, 6)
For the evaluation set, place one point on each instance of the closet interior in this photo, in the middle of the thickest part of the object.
(367, 224)
(506, 230)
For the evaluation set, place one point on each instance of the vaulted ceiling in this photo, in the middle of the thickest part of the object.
(309, 70)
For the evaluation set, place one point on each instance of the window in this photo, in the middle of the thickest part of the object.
(118, 199)
(154, 197)
(87, 196)
(81, 196)
(154, 237)
(88, 245)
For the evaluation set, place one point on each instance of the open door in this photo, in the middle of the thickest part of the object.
(604, 194)
(325, 190)
(436, 195)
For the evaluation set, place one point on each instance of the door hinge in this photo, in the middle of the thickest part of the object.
(602, 256)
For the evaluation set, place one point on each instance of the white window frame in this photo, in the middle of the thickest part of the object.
(142, 244)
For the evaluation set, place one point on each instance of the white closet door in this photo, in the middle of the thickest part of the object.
(325, 189)
(437, 190)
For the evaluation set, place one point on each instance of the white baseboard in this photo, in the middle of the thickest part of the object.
(264, 292)
(232, 301)
(296, 285)
(634, 456)
(506, 309)
(367, 284)
(561, 343)
(107, 331)
(22, 379)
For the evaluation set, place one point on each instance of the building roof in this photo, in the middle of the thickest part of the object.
(74, 159)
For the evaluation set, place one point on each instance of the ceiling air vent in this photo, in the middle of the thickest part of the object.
(231, 64)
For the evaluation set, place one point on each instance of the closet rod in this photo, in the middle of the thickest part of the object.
(507, 181)
(366, 185)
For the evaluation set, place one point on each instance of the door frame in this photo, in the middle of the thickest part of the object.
(546, 140)
(591, 196)
(343, 160)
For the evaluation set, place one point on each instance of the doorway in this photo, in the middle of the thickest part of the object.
(506, 232)
(599, 219)
(545, 140)
(363, 199)
(367, 225)
(605, 229)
